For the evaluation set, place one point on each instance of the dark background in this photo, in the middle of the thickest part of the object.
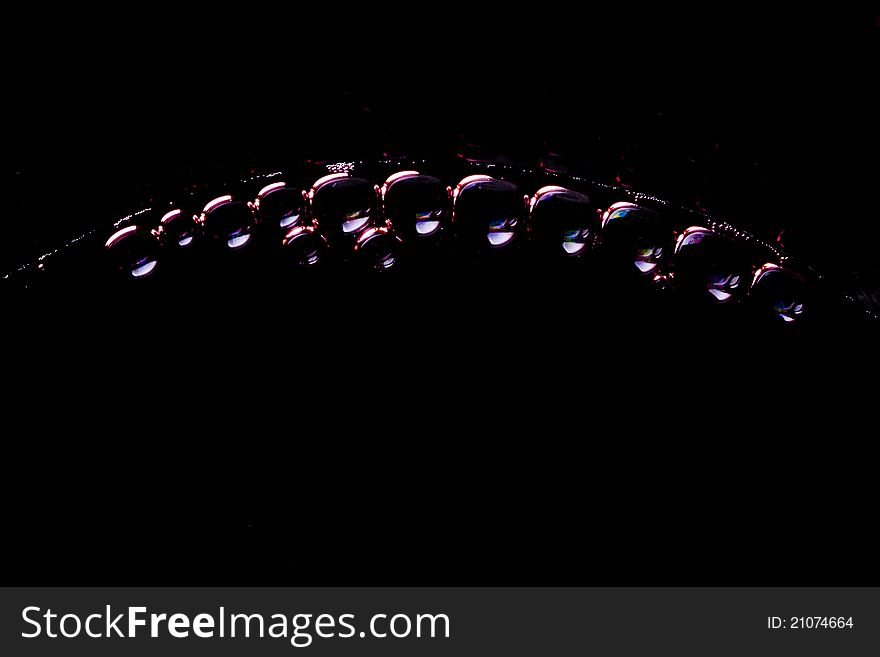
(761, 114)
(204, 473)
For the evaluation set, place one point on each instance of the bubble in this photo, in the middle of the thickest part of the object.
(144, 270)
(427, 227)
(238, 241)
(500, 238)
(355, 223)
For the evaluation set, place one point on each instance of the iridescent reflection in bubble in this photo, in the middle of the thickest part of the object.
(353, 222)
(428, 221)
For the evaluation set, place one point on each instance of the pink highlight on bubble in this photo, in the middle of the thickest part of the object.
(333, 176)
(764, 268)
(467, 181)
(367, 235)
(400, 175)
(168, 216)
(295, 232)
(270, 188)
(548, 189)
(617, 206)
(118, 235)
(687, 237)
(475, 178)
(217, 202)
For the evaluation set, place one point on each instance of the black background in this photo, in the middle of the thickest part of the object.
(758, 111)
(208, 474)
